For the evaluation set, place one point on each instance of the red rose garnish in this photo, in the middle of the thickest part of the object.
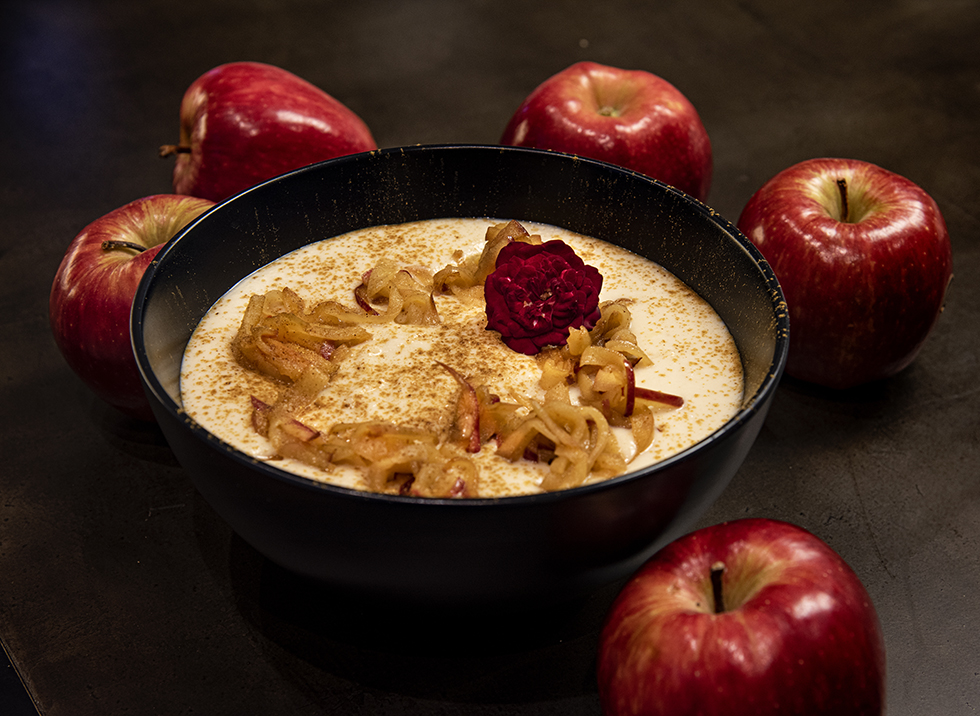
(537, 292)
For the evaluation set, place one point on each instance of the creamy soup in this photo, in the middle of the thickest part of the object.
(401, 374)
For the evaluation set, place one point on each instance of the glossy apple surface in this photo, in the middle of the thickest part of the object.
(93, 292)
(627, 117)
(244, 122)
(750, 617)
(864, 259)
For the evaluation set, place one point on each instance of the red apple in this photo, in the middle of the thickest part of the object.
(864, 259)
(244, 122)
(627, 117)
(93, 291)
(750, 617)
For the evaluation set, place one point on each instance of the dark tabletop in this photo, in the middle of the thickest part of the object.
(121, 592)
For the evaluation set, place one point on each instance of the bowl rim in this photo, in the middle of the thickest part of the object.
(158, 395)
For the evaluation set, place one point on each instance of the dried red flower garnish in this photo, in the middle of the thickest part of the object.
(537, 292)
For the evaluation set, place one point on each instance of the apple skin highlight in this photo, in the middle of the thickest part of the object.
(631, 118)
(864, 290)
(798, 633)
(244, 122)
(93, 290)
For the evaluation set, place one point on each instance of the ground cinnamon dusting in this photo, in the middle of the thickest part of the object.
(396, 375)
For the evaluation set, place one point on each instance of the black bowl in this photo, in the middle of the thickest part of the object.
(432, 551)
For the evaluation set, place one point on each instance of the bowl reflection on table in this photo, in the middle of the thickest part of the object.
(440, 551)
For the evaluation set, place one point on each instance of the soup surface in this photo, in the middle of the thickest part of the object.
(409, 374)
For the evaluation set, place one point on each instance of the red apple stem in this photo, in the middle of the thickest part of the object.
(844, 208)
(112, 244)
(717, 570)
(169, 149)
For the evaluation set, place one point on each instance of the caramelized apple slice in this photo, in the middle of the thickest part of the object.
(630, 388)
(409, 301)
(472, 271)
(644, 428)
(656, 396)
(514, 443)
(497, 418)
(465, 429)
(454, 478)
(578, 441)
(360, 296)
(260, 416)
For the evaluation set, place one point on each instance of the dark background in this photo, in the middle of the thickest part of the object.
(121, 592)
